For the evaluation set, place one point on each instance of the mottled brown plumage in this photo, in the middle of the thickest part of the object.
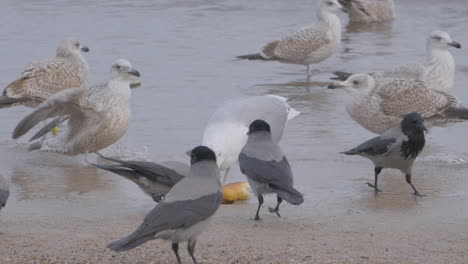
(309, 45)
(42, 79)
(380, 107)
(364, 11)
(98, 115)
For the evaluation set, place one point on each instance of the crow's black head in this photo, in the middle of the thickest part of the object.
(258, 125)
(201, 153)
(413, 127)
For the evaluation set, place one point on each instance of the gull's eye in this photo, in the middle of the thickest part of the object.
(117, 67)
(437, 38)
(329, 3)
(355, 82)
(77, 44)
(414, 121)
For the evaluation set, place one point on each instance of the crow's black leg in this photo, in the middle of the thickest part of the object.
(377, 171)
(191, 249)
(276, 209)
(260, 202)
(175, 248)
(408, 180)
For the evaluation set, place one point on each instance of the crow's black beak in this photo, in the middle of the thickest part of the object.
(84, 49)
(422, 126)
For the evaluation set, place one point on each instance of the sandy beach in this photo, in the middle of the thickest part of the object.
(63, 211)
(393, 227)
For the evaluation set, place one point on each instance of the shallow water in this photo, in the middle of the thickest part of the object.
(186, 52)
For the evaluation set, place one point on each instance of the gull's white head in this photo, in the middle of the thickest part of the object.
(330, 6)
(440, 40)
(70, 46)
(123, 71)
(357, 83)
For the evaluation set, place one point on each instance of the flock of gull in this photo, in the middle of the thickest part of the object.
(399, 105)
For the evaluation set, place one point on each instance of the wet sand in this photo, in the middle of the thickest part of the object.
(234, 238)
(392, 227)
(63, 211)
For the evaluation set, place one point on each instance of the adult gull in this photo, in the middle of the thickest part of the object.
(226, 131)
(154, 179)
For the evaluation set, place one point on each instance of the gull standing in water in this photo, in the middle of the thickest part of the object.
(437, 71)
(97, 116)
(309, 45)
(366, 11)
(378, 109)
(226, 131)
(42, 79)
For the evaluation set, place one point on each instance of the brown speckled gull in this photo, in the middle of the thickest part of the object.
(365, 11)
(437, 71)
(98, 116)
(309, 45)
(379, 108)
(42, 79)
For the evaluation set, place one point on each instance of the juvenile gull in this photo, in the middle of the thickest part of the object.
(397, 148)
(380, 108)
(437, 70)
(4, 191)
(185, 212)
(226, 131)
(153, 179)
(309, 45)
(97, 116)
(365, 11)
(267, 168)
(42, 79)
